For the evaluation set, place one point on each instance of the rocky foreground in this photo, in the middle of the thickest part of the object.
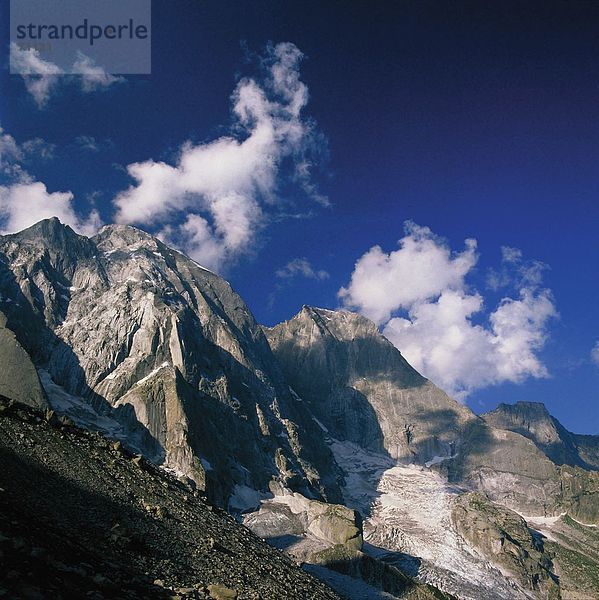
(81, 517)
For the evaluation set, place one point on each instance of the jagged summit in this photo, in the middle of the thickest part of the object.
(361, 387)
(341, 324)
(53, 236)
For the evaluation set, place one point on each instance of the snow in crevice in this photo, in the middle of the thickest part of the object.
(155, 372)
(78, 410)
(320, 424)
(435, 460)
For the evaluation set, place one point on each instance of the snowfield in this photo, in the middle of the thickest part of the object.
(407, 522)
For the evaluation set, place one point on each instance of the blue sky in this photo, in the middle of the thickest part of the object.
(473, 121)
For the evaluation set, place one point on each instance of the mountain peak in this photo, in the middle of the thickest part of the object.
(537, 409)
(533, 420)
(47, 229)
(55, 237)
(343, 324)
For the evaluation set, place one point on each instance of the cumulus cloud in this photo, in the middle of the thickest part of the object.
(41, 77)
(595, 353)
(422, 268)
(24, 201)
(301, 267)
(217, 196)
(419, 295)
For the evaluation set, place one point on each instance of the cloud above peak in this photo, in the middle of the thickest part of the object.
(216, 197)
(301, 267)
(420, 296)
(421, 268)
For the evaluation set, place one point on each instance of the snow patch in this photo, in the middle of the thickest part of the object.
(197, 264)
(152, 374)
(245, 499)
(407, 511)
(81, 413)
(435, 460)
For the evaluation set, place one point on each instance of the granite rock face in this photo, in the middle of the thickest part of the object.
(362, 389)
(146, 336)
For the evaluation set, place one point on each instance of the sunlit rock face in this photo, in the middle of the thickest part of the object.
(363, 390)
(148, 338)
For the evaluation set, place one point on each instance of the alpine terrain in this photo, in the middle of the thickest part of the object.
(139, 384)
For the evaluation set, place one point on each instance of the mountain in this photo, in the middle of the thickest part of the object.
(533, 421)
(135, 338)
(316, 433)
(362, 389)
(410, 452)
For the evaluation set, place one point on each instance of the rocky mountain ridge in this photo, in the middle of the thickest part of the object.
(149, 338)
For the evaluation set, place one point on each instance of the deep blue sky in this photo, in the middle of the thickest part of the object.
(476, 119)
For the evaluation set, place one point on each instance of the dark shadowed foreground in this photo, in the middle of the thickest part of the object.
(81, 517)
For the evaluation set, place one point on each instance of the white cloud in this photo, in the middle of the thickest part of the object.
(38, 148)
(515, 271)
(420, 297)
(92, 77)
(24, 201)
(23, 204)
(301, 267)
(41, 77)
(12, 154)
(217, 196)
(422, 268)
(595, 354)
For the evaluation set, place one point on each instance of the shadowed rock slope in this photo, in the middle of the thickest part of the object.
(18, 377)
(82, 517)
